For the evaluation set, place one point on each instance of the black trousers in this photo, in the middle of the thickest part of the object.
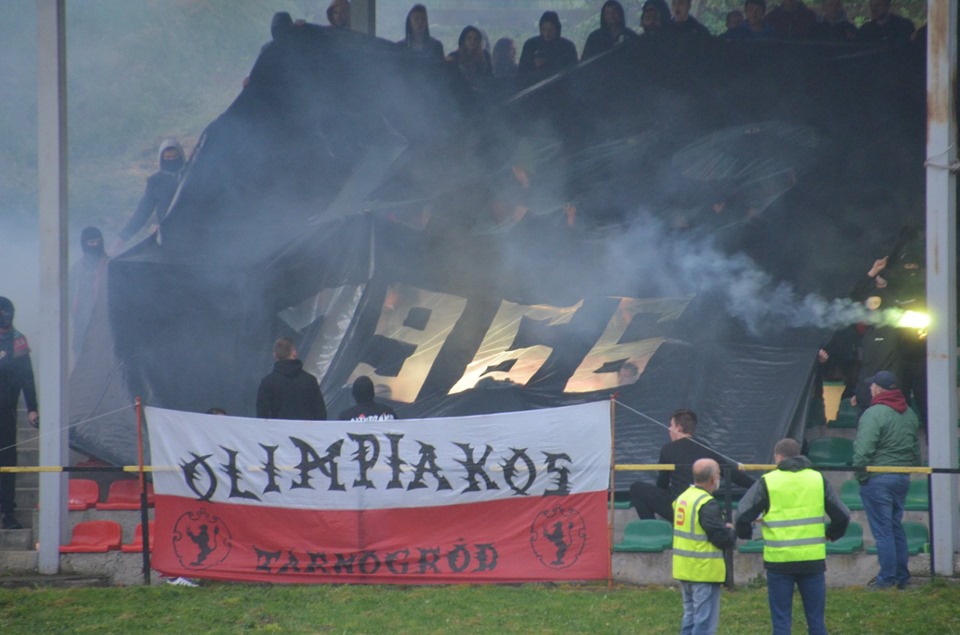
(8, 458)
(651, 501)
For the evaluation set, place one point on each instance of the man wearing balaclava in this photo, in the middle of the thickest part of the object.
(161, 186)
(87, 277)
(16, 376)
(547, 53)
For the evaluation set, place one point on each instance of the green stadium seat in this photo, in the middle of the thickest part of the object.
(830, 451)
(850, 494)
(918, 537)
(621, 500)
(647, 536)
(918, 496)
(751, 546)
(850, 542)
(846, 416)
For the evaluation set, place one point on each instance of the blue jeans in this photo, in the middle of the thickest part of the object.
(701, 608)
(883, 497)
(813, 592)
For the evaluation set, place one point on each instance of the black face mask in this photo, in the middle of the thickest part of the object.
(93, 250)
(6, 319)
(171, 165)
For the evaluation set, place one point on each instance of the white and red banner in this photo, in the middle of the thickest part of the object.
(496, 498)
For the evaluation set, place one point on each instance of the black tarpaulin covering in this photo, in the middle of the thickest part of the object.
(479, 249)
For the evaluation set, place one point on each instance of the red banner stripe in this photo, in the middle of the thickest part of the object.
(520, 539)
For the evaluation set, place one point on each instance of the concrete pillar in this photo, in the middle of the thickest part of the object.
(941, 234)
(52, 358)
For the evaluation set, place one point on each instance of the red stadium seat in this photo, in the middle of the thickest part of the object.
(136, 546)
(125, 494)
(82, 494)
(94, 536)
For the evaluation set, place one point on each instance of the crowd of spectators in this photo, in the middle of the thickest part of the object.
(548, 51)
(789, 20)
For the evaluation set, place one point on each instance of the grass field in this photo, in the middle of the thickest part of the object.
(382, 610)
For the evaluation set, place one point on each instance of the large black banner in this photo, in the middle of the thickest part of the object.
(664, 223)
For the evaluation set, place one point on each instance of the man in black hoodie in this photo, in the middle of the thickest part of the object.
(87, 278)
(161, 186)
(613, 30)
(547, 53)
(16, 376)
(289, 392)
(366, 409)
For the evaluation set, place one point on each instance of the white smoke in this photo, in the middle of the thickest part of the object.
(20, 267)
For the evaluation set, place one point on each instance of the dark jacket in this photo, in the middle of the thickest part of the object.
(289, 392)
(16, 373)
(368, 411)
(715, 525)
(684, 453)
(897, 29)
(556, 54)
(791, 25)
(161, 186)
(756, 502)
(432, 49)
(689, 27)
(841, 31)
(602, 39)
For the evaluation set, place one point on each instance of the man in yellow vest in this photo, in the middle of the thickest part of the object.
(792, 500)
(699, 537)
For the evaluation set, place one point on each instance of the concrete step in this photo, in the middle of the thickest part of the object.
(28, 438)
(18, 562)
(28, 456)
(59, 581)
(16, 540)
(27, 497)
(28, 479)
(25, 516)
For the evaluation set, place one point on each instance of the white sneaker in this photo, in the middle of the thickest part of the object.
(181, 582)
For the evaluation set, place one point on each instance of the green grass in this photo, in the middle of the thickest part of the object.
(238, 608)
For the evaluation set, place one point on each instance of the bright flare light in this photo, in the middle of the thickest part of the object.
(914, 320)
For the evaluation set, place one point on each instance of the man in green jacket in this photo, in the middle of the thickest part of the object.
(887, 436)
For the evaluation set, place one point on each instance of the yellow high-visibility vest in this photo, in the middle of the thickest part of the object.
(793, 529)
(695, 559)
